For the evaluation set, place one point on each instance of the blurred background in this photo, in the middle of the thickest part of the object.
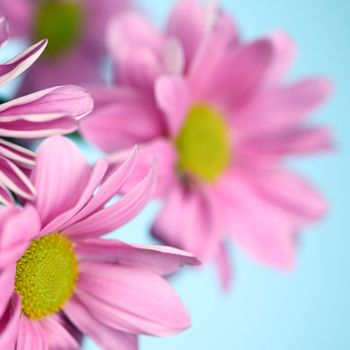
(268, 310)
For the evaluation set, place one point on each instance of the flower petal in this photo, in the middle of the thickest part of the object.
(7, 283)
(31, 336)
(19, 64)
(106, 337)
(5, 196)
(142, 301)
(159, 259)
(3, 30)
(17, 154)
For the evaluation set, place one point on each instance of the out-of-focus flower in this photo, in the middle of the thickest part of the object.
(74, 29)
(54, 266)
(217, 116)
(48, 112)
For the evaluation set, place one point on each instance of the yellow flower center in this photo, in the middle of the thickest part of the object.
(46, 275)
(203, 143)
(61, 23)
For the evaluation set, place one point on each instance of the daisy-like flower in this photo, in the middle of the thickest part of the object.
(217, 116)
(74, 29)
(55, 268)
(48, 112)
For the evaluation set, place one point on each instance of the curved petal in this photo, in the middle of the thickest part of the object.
(3, 30)
(31, 336)
(159, 259)
(17, 154)
(9, 323)
(7, 285)
(60, 181)
(106, 337)
(19, 64)
(172, 95)
(122, 118)
(5, 196)
(108, 219)
(142, 301)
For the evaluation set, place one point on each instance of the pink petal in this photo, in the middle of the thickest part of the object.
(173, 98)
(9, 323)
(17, 154)
(3, 30)
(15, 179)
(19, 64)
(57, 336)
(122, 118)
(31, 335)
(106, 337)
(7, 283)
(283, 108)
(108, 219)
(234, 76)
(158, 259)
(263, 229)
(187, 24)
(20, 226)
(5, 196)
(142, 301)
(61, 182)
(189, 220)
(223, 265)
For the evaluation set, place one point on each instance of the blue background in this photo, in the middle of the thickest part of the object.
(266, 309)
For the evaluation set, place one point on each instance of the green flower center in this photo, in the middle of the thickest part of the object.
(203, 143)
(61, 23)
(46, 275)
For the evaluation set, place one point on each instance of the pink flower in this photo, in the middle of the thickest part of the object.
(74, 29)
(218, 117)
(54, 267)
(52, 111)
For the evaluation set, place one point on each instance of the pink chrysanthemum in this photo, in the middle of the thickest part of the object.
(54, 267)
(48, 112)
(217, 116)
(74, 29)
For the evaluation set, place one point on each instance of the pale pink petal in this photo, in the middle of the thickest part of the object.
(142, 301)
(174, 57)
(9, 323)
(264, 230)
(190, 220)
(282, 108)
(173, 98)
(187, 24)
(59, 181)
(70, 101)
(17, 154)
(291, 193)
(5, 196)
(223, 265)
(20, 226)
(122, 118)
(31, 335)
(106, 191)
(19, 64)
(57, 336)
(106, 337)
(3, 30)
(235, 76)
(108, 219)
(159, 259)
(7, 283)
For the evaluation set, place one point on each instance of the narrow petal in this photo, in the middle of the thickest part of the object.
(5, 196)
(61, 182)
(104, 336)
(223, 265)
(3, 30)
(122, 118)
(9, 323)
(159, 259)
(108, 219)
(19, 64)
(15, 179)
(142, 301)
(57, 336)
(17, 154)
(173, 98)
(7, 283)
(31, 336)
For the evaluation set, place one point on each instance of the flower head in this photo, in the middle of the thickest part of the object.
(220, 120)
(74, 29)
(55, 270)
(48, 112)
